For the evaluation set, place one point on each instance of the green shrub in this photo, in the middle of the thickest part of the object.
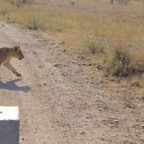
(119, 61)
(91, 44)
(37, 23)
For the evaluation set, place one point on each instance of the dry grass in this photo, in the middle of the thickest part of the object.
(114, 22)
(58, 20)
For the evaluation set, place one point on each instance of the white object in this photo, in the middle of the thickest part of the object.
(9, 125)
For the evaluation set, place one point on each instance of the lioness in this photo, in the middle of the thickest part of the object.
(6, 53)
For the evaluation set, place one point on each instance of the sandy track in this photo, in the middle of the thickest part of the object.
(59, 103)
(26, 92)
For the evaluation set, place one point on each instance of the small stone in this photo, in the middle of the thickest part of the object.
(23, 139)
(137, 131)
(82, 133)
(116, 121)
(89, 64)
(57, 65)
(62, 42)
(40, 67)
(113, 135)
(126, 135)
(102, 139)
(39, 85)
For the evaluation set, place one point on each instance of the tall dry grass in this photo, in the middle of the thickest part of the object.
(114, 22)
(89, 23)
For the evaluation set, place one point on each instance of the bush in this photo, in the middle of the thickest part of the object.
(37, 23)
(91, 44)
(119, 61)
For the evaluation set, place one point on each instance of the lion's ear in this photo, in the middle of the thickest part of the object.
(16, 48)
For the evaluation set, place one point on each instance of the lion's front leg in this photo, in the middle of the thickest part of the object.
(11, 68)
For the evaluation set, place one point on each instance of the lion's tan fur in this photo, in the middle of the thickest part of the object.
(7, 53)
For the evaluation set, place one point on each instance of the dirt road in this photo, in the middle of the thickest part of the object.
(59, 102)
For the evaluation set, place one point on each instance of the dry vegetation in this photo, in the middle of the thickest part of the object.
(115, 30)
